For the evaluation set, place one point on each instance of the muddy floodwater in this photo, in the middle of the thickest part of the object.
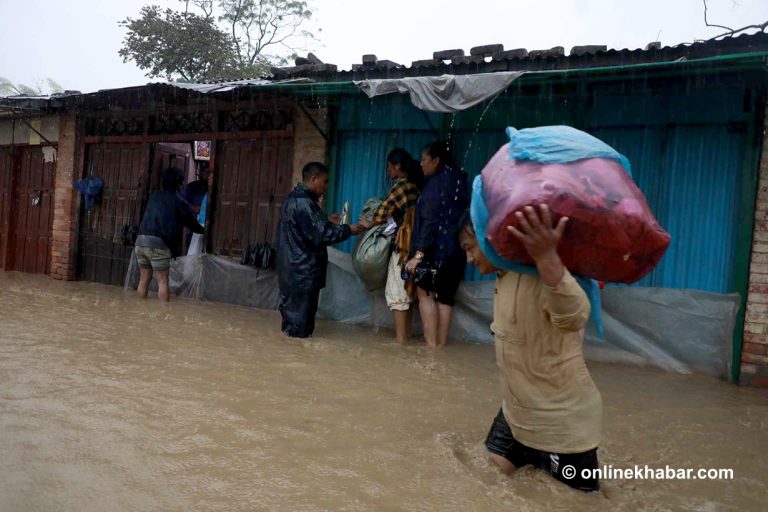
(108, 403)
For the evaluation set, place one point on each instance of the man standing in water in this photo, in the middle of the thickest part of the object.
(303, 237)
(551, 412)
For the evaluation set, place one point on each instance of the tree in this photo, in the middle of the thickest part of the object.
(176, 45)
(44, 88)
(228, 39)
(257, 25)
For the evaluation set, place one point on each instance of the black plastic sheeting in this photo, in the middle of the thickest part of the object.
(683, 331)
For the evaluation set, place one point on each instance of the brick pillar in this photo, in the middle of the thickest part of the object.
(308, 144)
(754, 354)
(64, 203)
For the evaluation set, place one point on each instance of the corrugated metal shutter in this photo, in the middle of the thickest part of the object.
(691, 173)
(361, 169)
(691, 176)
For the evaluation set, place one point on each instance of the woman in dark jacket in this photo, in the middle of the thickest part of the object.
(437, 259)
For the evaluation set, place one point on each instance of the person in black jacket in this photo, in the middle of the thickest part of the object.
(303, 236)
(435, 241)
(160, 233)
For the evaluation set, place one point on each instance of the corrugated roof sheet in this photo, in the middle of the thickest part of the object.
(580, 58)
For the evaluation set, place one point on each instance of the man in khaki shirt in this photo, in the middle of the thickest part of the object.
(551, 412)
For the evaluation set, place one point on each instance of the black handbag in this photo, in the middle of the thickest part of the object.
(261, 255)
(424, 276)
(268, 257)
(128, 235)
(251, 255)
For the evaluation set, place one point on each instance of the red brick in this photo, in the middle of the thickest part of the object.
(757, 349)
(758, 288)
(755, 317)
(761, 339)
(755, 359)
(758, 298)
(748, 368)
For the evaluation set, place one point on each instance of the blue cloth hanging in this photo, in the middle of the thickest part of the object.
(91, 188)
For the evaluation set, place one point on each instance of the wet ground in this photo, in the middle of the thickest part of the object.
(111, 403)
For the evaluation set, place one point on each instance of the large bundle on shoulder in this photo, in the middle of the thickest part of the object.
(370, 257)
(612, 234)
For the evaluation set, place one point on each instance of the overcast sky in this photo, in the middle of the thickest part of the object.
(75, 42)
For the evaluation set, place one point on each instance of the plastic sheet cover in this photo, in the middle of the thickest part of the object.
(682, 331)
(445, 93)
(216, 279)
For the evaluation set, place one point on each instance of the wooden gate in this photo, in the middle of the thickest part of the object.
(31, 212)
(26, 209)
(102, 257)
(252, 178)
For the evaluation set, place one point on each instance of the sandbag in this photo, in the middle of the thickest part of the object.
(370, 257)
(612, 234)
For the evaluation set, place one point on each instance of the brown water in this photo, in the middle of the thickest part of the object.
(110, 403)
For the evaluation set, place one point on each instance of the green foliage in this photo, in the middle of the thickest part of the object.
(210, 46)
(175, 45)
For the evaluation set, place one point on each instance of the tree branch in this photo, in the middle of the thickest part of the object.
(707, 23)
(760, 27)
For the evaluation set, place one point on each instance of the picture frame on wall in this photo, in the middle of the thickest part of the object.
(202, 150)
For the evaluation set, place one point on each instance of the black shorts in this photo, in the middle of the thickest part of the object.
(447, 281)
(501, 442)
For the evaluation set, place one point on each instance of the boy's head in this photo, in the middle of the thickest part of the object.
(314, 175)
(203, 170)
(171, 179)
(475, 256)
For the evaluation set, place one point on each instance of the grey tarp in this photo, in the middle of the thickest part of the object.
(681, 331)
(217, 279)
(445, 93)
(677, 330)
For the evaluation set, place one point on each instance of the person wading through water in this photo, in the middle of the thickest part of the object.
(303, 236)
(551, 413)
(160, 232)
(399, 207)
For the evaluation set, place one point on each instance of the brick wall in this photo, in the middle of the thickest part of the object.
(754, 355)
(64, 203)
(308, 144)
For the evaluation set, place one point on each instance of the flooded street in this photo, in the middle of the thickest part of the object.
(111, 403)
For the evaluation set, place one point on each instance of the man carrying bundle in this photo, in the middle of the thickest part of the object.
(551, 412)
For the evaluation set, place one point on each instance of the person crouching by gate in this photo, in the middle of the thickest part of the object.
(437, 261)
(160, 232)
(551, 412)
(399, 207)
(303, 236)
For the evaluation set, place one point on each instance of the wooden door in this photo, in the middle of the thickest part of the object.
(102, 257)
(252, 178)
(31, 212)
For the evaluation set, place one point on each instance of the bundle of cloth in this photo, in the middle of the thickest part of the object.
(612, 235)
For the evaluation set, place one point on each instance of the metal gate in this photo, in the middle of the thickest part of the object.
(102, 257)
